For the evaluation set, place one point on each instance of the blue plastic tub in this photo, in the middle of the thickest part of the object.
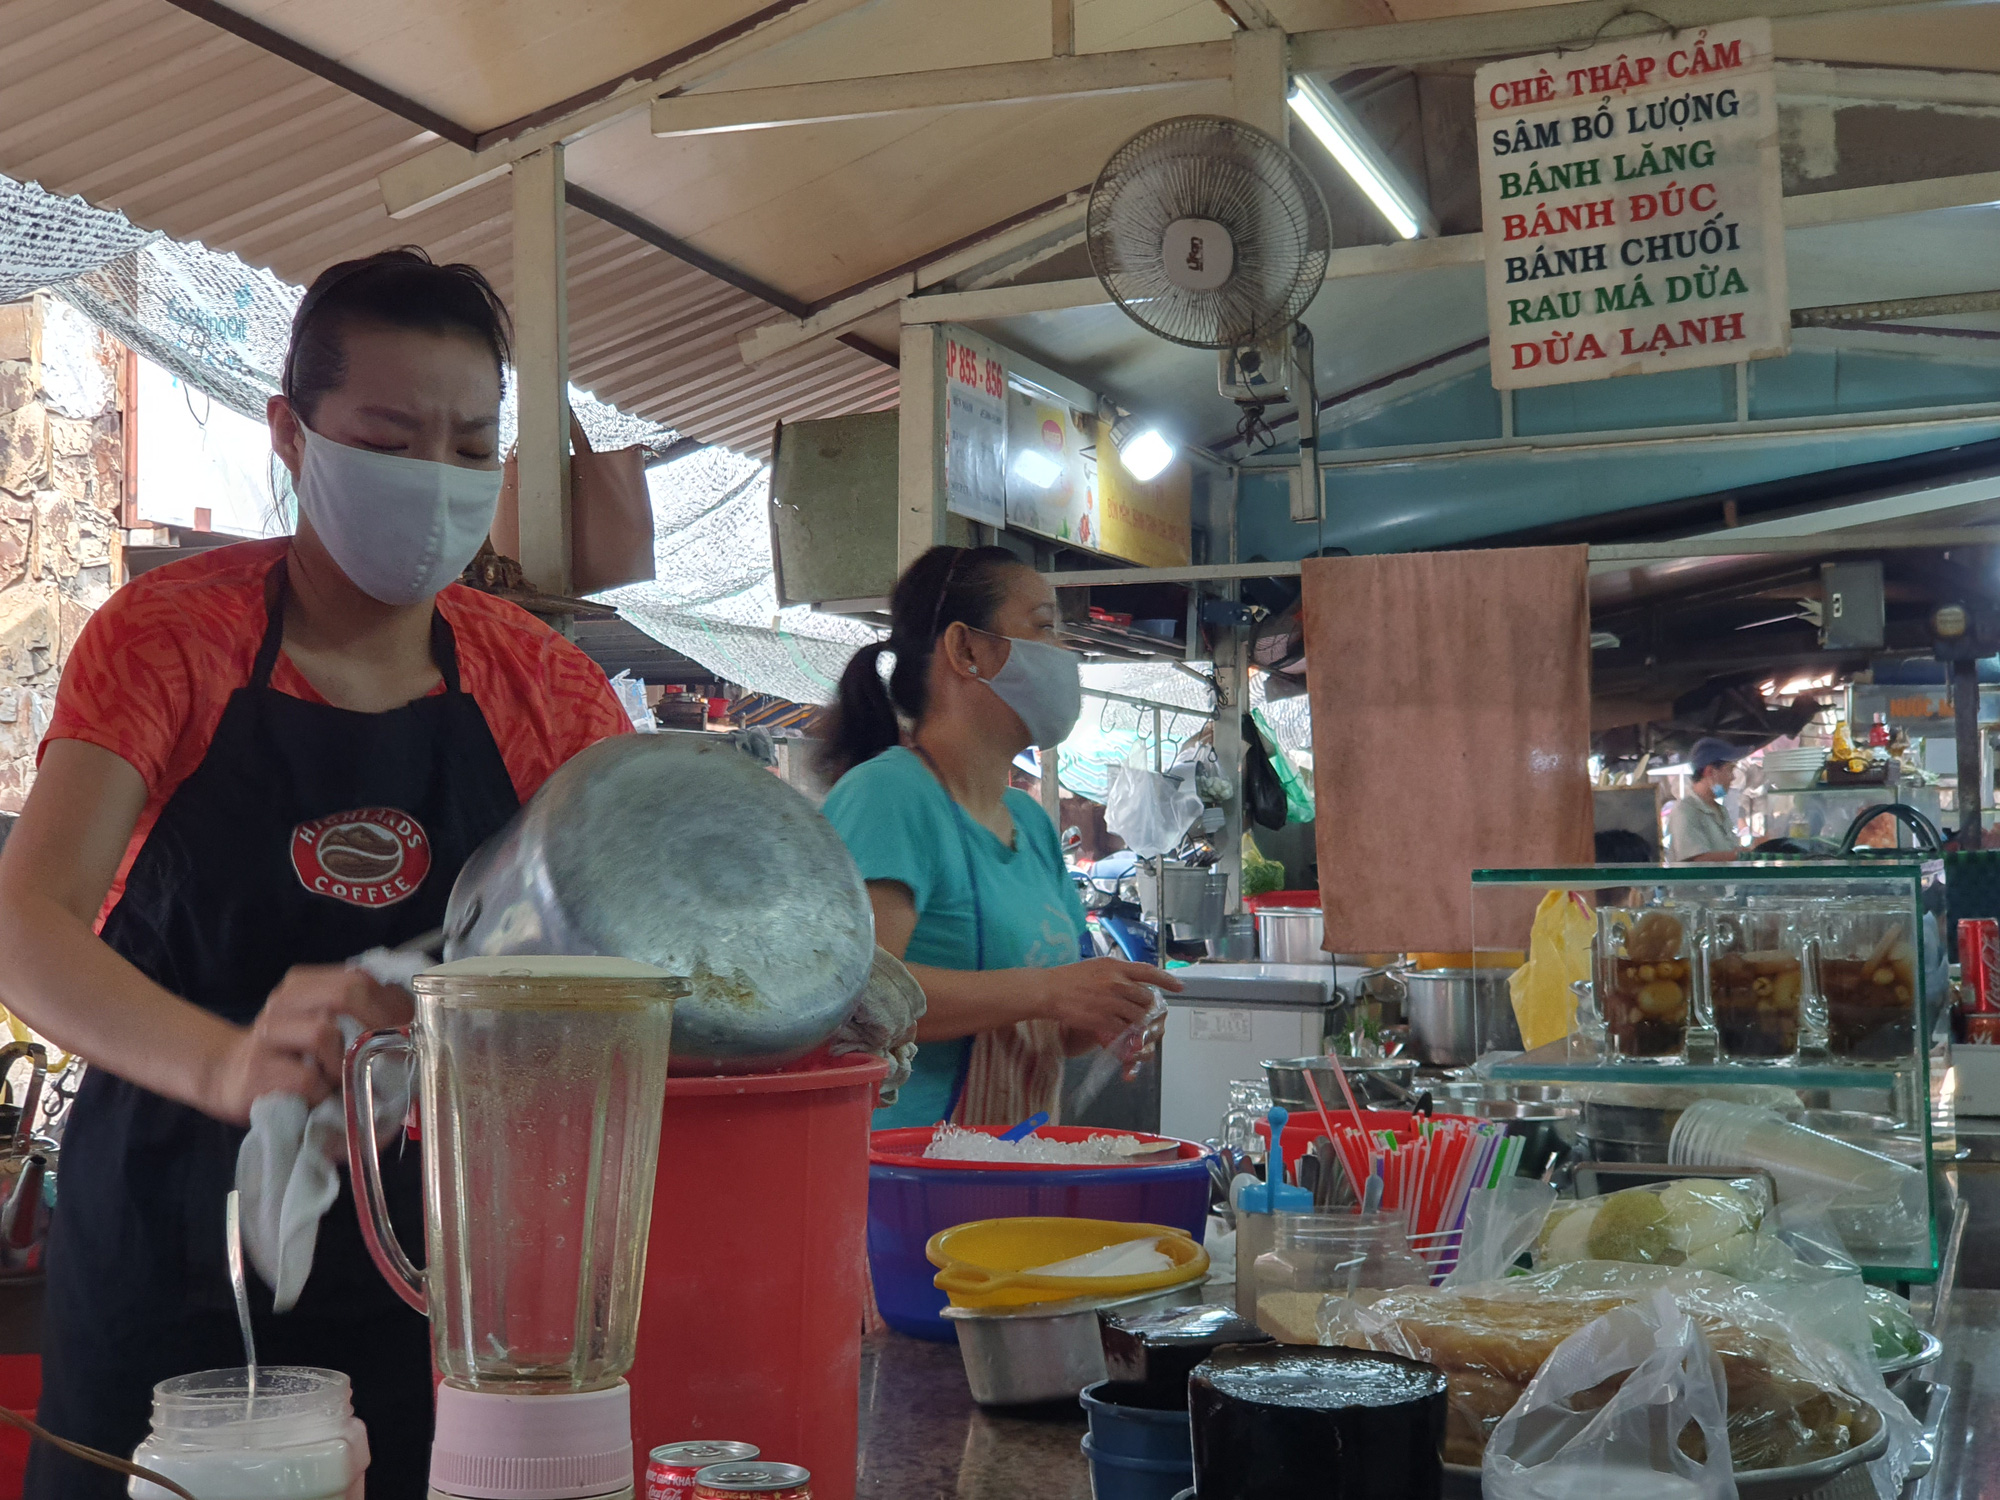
(1136, 1431)
(1118, 1476)
(910, 1199)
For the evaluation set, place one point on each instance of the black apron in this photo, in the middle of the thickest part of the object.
(307, 834)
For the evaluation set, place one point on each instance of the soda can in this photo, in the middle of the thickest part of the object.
(1979, 963)
(768, 1481)
(670, 1469)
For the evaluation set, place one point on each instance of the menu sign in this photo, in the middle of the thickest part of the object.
(1632, 207)
(975, 416)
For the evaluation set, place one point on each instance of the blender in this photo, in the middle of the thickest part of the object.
(540, 1081)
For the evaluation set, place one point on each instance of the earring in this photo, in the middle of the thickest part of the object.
(974, 670)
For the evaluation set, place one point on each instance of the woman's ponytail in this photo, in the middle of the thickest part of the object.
(862, 723)
(943, 587)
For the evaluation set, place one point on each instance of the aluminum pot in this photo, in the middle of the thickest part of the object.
(1457, 1015)
(1043, 1352)
(1292, 935)
(685, 853)
(1379, 1083)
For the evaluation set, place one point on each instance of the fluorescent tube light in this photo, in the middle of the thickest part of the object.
(1321, 112)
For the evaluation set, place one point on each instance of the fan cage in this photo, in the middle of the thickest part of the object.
(1209, 167)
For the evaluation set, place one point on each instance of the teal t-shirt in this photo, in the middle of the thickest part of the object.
(900, 824)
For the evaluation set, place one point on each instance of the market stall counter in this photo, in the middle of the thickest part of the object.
(923, 1437)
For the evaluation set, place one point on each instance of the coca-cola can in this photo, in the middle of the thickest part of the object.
(768, 1481)
(670, 1469)
(1978, 961)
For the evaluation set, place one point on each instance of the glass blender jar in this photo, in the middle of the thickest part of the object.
(540, 1082)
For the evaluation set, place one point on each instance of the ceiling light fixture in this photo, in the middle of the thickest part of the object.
(1142, 448)
(1320, 110)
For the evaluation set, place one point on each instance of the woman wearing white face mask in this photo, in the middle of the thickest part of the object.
(965, 874)
(264, 760)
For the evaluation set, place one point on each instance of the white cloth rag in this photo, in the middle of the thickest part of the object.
(288, 1168)
(884, 1022)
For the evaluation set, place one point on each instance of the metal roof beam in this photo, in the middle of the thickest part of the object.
(1397, 44)
(1138, 70)
(1802, 211)
(1540, 28)
(773, 339)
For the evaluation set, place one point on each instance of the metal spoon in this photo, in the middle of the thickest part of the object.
(240, 1285)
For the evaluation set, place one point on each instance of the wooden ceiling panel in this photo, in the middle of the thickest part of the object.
(139, 106)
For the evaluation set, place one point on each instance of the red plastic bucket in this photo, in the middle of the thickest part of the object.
(750, 1326)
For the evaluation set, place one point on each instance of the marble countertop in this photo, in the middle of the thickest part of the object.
(923, 1438)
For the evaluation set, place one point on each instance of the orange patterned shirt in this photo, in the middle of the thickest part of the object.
(153, 669)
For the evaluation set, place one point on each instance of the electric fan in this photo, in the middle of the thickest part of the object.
(1208, 232)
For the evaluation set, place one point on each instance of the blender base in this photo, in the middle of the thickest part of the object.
(493, 1445)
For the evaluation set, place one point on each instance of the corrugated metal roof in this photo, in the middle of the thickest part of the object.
(218, 121)
(139, 106)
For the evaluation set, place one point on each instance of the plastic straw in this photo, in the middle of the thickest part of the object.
(1346, 1092)
(1325, 1120)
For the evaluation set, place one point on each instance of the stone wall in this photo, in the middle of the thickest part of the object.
(61, 483)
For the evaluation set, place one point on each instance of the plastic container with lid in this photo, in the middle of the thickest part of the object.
(1335, 1253)
(296, 1439)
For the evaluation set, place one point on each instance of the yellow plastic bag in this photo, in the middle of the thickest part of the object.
(1558, 955)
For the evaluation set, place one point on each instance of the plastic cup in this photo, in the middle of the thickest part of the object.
(1803, 1163)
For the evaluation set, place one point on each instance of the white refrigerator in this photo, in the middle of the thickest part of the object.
(1229, 1019)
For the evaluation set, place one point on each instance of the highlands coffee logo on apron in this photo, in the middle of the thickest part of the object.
(371, 856)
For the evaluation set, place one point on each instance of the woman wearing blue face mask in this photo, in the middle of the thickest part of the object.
(264, 760)
(965, 874)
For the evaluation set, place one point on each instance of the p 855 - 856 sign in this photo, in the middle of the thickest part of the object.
(1632, 207)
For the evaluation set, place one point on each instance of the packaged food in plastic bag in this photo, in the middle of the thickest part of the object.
(1662, 1431)
(1701, 1221)
(1793, 1397)
(1892, 1332)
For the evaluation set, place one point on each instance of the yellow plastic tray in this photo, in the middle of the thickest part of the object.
(983, 1264)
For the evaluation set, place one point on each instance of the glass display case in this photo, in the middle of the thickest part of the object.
(1773, 1016)
(1824, 813)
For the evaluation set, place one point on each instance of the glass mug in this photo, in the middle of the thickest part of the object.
(1755, 957)
(1646, 979)
(1867, 977)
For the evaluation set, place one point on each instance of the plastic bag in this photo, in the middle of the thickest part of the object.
(1299, 807)
(1788, 1251)
(1698, 1221)
(1627, 1445)
(631, 693)
(1501, 1223)
(1149, 811)
(1558, 955)
(1263, 794)
(1793, 1397)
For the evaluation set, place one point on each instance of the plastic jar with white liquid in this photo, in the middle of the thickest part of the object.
(295, 1438)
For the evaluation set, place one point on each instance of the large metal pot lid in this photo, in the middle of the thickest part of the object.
(683, 853)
